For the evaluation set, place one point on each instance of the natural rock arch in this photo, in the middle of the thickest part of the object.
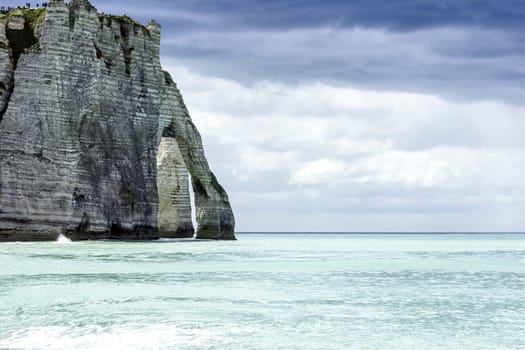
(214, 216)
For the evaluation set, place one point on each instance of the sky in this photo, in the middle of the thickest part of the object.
(355, 115)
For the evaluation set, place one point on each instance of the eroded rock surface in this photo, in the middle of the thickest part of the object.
(83, 109)
(174, 194)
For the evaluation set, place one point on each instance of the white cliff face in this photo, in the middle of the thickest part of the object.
(82, 119)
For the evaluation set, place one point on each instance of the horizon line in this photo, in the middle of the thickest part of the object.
(382, 232)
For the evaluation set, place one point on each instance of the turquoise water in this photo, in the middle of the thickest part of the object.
(326, 291)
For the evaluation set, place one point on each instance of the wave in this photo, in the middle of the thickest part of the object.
(63, 240)
(136, 337)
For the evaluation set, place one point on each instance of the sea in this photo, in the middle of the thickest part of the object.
(267, 291)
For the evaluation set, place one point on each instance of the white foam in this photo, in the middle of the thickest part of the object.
(176, 240)
(63, 240)
(115, 338)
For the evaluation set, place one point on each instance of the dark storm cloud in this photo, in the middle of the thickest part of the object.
(469, 49)
(458, 63)
(403, 15)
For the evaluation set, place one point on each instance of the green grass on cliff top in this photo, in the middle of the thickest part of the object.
(121, 19)
(32, 16)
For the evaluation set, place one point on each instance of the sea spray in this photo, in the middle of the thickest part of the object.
(63, 240)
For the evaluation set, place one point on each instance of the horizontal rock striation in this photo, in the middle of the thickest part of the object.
(174, 196)
(94, 135)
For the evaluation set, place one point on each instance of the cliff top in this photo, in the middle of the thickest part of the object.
(31, 15)
(34, 14)
(20, 28)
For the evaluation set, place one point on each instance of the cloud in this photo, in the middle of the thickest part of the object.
(351, 154)
(404, 15)
(318, 171)
(463, 50)
(410, 169)
(451, 62)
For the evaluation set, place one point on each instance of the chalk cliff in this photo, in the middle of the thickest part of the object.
(95, 139)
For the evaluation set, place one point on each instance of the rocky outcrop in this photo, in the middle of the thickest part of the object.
(86, 116)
